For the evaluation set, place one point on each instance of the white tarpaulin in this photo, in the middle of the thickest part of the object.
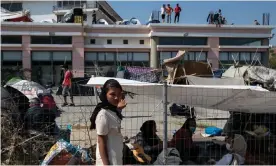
(229, 98)
(193, 80)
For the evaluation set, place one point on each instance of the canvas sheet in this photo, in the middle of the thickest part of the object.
(250, 99)
(193, 80)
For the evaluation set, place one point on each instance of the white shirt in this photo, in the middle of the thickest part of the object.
(162, 10)
(109, 124)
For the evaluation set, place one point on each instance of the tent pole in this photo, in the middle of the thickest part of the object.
(165, 121)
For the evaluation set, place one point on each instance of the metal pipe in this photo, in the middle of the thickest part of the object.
(165, 122)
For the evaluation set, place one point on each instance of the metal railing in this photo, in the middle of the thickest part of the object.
(69, 7)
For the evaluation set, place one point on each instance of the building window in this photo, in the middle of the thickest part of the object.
(92, 41)
(51, 39)
(140, 59)
(183, 40)
(46, 66)
(13, 7)
(11, 63)
(109, 41)
(240, 42)
(142, 42)
(11, 39)
(125, 41)
(11, 56)
(227, 59)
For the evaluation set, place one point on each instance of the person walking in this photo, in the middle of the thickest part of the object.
(163, 12)
(67, 86)
(177, 11)
(169, 11)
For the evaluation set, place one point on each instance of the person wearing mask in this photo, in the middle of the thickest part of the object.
(67, 86)
(163, 12)
(183, 142)
(106, 120)
(169, 11)
(236, 145)
(177, 11)
(148, 139)
(94, 18)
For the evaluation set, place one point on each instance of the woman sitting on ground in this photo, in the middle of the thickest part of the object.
(236, 145)
(183, 142)
(148, 139)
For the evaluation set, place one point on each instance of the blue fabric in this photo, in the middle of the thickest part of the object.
(213, 131)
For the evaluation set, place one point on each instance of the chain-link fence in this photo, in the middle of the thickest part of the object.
(252, 117)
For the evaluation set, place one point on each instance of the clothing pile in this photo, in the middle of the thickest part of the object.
(143, 74)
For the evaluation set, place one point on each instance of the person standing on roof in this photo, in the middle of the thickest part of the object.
(218, 18)
(163, 12)
(169, 11)
(94, 18)
(177, 11)
(210, 17)
(67, 86)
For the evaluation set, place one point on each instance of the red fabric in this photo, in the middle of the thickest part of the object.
(48, 102)
(169, 10)
(19, 19)
(177, 9)
(181, 139)
(67, 78)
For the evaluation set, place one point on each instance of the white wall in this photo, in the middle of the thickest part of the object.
(118, 41)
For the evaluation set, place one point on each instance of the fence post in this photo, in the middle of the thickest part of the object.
(165, 122)
(95, 92)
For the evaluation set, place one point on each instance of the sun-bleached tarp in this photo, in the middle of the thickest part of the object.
(250, 99)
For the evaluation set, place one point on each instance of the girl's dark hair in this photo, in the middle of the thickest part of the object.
(111, 83)
(147, 124)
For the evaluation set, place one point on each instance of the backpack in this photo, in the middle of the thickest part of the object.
(48, 101)
(173, 157)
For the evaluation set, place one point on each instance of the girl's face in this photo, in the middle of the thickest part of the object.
(114, 96)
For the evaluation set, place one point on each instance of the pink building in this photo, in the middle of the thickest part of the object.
(43, 47)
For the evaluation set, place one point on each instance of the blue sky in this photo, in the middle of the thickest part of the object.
(195, 12)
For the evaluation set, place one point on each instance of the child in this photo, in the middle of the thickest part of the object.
(106, 119)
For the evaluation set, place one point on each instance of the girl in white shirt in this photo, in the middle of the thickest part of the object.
(106, 119)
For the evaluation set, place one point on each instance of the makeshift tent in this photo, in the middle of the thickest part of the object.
(29, 88)
(20, 16)
(253, 75)
(249, 99)
(192, 80)
(177, 72)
